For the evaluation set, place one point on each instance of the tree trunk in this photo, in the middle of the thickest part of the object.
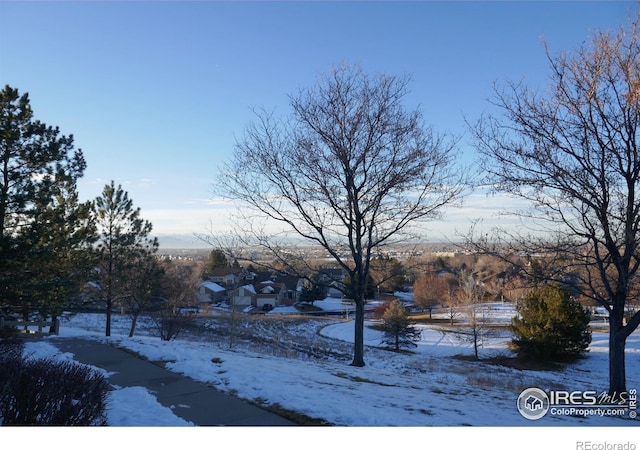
(475, 343)
(108, 327)
(54, 324)
(397, 339)
(134, 321)
(233, 325)
(358, 346)
(617, 371)
(618, 334)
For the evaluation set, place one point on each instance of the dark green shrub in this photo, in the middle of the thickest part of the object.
(47, 392)
(550, 326)
(399, 330)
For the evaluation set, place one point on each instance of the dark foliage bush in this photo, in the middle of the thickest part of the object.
(170, 322)
(551, 326)
(399, 330)
(47, 392)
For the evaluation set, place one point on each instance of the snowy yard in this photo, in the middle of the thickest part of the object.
(436, 385)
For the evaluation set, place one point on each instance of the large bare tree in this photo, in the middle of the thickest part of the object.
(350, 169)
(572, 152)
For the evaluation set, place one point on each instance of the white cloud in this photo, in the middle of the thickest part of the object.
(201, 215)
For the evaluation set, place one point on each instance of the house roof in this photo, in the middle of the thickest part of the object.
(270, 286)
(212, 286)
(224, 271)
(248, 287)
(334, 274)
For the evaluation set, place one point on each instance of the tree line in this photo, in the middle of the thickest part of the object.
(58, 253)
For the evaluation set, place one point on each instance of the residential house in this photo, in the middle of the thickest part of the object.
(270, 293)
(230, 277)
(211, 292)
(334, 280)
(292, 283)
(243, 296)
(259, 295)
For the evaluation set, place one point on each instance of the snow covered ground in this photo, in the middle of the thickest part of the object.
(437, 385)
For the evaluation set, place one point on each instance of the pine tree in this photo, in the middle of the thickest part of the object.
(217, 258)
(313, 289)
(36, 164)
(123, 238)
(550, 325)
(65, 232)
(399, 329)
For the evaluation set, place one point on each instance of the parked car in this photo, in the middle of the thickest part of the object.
(267, 307)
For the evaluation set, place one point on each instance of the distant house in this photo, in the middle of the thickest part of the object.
(211, 292)
(260, 294)
(294, 287)
(292, 283)
(334, 280)
(270, 293)
(243, 296)
(230, 277)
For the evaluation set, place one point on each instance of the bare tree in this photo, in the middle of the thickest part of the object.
(348, 171)
(430, 291)
(178, 289)
(469, 298)
(142, 282)
(572, 152)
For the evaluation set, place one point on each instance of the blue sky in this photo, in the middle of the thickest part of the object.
(156, 92)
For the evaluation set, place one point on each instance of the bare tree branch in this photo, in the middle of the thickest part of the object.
(349, 170)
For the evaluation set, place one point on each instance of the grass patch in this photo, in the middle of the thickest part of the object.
(524, 364)
(296, 417)
(293, 416)
(461, 357)
(307, 307)
(360, 379)
(424, 318)
(483, 381)
(513, 362)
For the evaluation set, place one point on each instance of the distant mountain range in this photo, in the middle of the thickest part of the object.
(184, 241)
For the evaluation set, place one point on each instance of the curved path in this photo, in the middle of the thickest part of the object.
(191, 400)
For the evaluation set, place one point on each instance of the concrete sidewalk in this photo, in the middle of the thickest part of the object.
(206, 406)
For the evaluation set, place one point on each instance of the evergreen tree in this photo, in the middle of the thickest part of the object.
(217, 258)
(65, 232)
(388, 272)
(313, 290)
(368, 286)
(37, 163)
(551, 325)
(123, 239)
(399, 329)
